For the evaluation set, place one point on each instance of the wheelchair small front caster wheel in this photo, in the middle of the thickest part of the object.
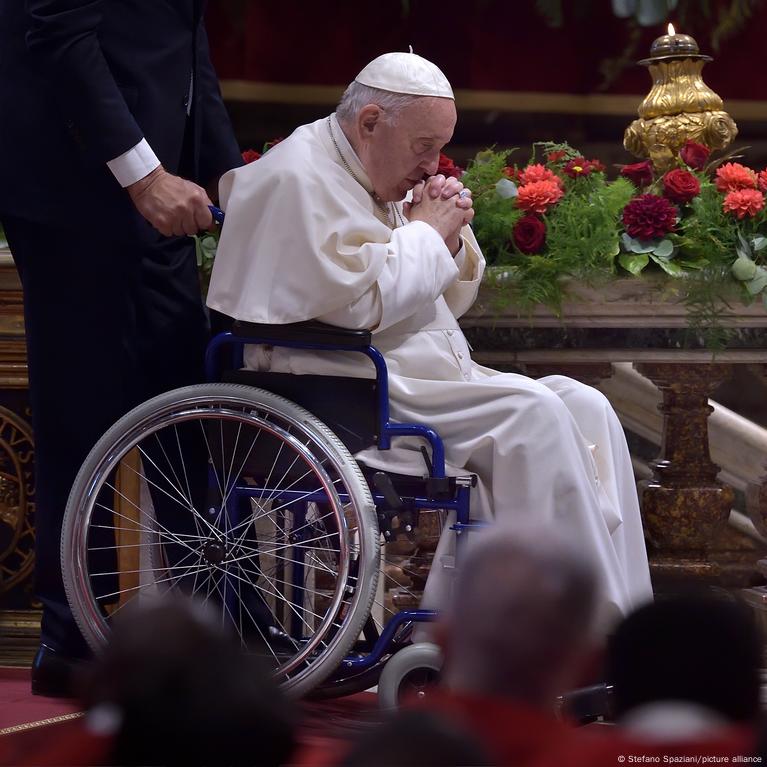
(410, 673)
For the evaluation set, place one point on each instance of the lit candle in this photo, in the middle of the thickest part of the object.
(674, 45)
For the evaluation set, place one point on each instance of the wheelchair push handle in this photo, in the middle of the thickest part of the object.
(217, 213)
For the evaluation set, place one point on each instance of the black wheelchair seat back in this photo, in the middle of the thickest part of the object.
(346, 405)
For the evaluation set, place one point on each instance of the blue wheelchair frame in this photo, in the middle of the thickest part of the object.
(386, 430)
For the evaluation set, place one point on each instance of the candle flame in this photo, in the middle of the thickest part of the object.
(671, 30)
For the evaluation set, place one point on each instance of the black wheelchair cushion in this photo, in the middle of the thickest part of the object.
(311, 332)
(348, 406)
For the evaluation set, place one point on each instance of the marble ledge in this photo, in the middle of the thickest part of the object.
(640, 302)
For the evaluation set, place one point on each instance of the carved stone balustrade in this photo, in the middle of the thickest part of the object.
(685, 506)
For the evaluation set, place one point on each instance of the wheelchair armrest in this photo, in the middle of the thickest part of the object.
(311, 332)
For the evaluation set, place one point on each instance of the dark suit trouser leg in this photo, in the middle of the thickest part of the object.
(113, 315)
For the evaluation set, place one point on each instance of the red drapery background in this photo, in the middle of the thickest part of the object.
(480, 44)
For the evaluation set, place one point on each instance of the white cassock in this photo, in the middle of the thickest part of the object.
(304, 239)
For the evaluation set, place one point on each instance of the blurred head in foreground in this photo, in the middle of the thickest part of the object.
(700, 649)
(176, 689)
(522, 616)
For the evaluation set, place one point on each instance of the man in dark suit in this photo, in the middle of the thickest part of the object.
(107, 108)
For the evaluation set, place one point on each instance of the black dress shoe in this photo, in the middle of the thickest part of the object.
(53, 674)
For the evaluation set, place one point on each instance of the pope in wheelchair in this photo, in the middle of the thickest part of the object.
(268, 499)
(315, 230)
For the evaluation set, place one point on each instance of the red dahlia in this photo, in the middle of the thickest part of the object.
(648, 216)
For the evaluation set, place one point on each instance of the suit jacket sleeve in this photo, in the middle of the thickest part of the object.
(219, 151)
(63, 41)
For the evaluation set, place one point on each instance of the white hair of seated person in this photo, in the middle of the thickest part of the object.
(358, 96)
(522, 616)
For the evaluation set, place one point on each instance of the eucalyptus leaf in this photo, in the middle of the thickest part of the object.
(743, 252)
(759, 243)
(506, 188)
(665, 249)
(634, 263)
(208, 245)
(744, 242)
(759, 282)
(743, 269)
(633, 245)
(670, 267)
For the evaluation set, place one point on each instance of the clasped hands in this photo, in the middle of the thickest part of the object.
(445, 204)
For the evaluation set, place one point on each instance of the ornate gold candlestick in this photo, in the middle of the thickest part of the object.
(679, 107)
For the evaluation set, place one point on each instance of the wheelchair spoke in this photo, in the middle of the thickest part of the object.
(271, 577)
(280, 560)
(324, 569)
(257, 588)
(211, 459)
(121, 592)
(231, 487)
(196, 516)
(144, 528)
(184, 502)
(277, 594)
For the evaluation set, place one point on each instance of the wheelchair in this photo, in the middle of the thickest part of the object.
(245, 492)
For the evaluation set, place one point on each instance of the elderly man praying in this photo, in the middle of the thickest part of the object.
(317, 229)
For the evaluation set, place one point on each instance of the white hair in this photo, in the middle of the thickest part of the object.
(357, 96)
(522, 610)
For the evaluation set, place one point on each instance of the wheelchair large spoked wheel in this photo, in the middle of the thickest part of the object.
(240, 498)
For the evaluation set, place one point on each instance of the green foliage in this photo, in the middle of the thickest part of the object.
(708, 233)
(205, 250)
(713, 256)
(495, 216)
(3, 240)
(705, 297)
(581, 230)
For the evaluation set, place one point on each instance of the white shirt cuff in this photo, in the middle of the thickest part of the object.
(133, 165)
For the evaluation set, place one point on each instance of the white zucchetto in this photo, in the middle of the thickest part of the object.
(405, 73)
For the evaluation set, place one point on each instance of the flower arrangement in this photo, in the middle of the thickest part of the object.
(559, 217)
(555, 217)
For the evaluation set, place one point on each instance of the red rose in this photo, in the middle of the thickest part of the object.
(511, 173)
(250, 155)
(649, 216)
(694, 154)
(680, 186)
(578, 167)
(638, 173)
(448, 168)
(529, 234)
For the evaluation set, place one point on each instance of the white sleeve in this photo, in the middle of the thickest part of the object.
(471, 264)
(418, 269)
(133, 165)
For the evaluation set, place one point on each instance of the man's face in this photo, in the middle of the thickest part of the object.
(397, 156)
